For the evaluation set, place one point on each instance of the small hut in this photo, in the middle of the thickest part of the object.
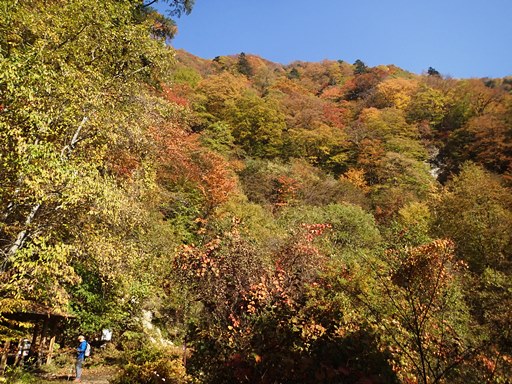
(48, 325)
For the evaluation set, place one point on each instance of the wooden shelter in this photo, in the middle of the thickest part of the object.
(48, 325)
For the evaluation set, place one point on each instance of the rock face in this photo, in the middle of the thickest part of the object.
(434, 163)
(154, 333)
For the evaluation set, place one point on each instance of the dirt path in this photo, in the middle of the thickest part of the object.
(95, 379)
(97, 375)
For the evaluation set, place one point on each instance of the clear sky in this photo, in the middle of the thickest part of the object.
(459, 38)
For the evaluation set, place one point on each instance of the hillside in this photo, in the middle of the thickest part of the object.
(236, 220)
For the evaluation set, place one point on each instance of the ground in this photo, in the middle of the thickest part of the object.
(95, 375)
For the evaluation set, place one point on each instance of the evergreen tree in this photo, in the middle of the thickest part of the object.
(360, 67)
(293, 74)
(433, 72)
(243, 65)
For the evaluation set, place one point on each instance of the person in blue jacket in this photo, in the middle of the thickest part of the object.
(80, 357)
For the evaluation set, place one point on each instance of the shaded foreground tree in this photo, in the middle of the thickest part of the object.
(423, 318)
(475, 210)
(263, 316)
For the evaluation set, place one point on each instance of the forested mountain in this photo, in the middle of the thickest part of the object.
(321, 222)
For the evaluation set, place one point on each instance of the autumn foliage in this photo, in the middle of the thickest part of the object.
(266, 223)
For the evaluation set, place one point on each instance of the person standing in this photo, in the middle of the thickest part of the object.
(80, 357)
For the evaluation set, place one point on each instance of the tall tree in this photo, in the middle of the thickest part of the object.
(425, 320)
(243, 65)
(74, 82)
(433, 72)
(257, 125)
(360, 67)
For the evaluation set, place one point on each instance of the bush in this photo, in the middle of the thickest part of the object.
(144, 362)
(167, 369)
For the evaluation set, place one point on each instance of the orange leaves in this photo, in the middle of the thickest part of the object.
(362, 85)
(234, 321)
(427, 267)
(217, 179)
(357, 178)
(199, 262)
(183, 160)
(124, 163)
(170, 141)
(296, 264)
(174, 95)
(260, 295)
(334, 94)
(495, 364)
(395, 92)
(492, 141)
(338, 115)
(285, 190)
(314, 230)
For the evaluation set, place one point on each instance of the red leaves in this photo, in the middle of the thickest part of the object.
(173, 95)
(199, 262)
(183, 160)
(297, 263)
(336, 115)
(315, 230)
(284, 191)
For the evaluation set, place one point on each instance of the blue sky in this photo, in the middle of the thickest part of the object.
(459, 38)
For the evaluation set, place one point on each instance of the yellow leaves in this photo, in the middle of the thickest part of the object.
(427, 104)
(40, 272)
(416, 214)
(311, 330)
(356, 177)
(388, 123)
(222, 89)
(67, 62)
(395, 92)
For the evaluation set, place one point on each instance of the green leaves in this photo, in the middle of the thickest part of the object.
(39, 272)
(257, 125)
(475, 210)
(74, 80)
(310, 216)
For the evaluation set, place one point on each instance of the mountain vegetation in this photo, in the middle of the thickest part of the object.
(303, 223)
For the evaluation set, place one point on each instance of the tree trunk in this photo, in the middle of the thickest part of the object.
(5, 354)
(22, 235)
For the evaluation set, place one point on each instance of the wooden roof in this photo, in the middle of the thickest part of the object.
(35, 311)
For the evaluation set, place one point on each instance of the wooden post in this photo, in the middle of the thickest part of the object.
(5, 354)
(18, 356)
(33, 345)
(53, 335)
(42, 343)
